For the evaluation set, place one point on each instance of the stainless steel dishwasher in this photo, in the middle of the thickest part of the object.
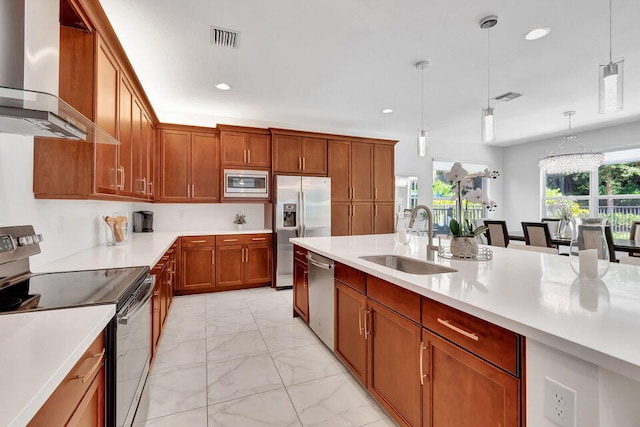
(321, 297)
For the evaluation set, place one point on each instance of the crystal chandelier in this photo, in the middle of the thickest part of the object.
(583, 161)
(422, 133)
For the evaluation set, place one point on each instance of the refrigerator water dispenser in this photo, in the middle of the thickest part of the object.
(289, 211)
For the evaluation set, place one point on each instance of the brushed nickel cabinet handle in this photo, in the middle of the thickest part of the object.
(247, 254)
(188, 191)
(360, 320)
(446, 323)
(299, 253)
(375, 210)
(193, 190)
(304, 163)
(150, 189)
(299, 163)
(248, 156)
(244, 156)
(353, 210)
(230, 240)
(198, 241)
(305, 281)
(367, 332)
(213, 257)
(94, 368)
(143, 182)
(422, 374)
(263, 238)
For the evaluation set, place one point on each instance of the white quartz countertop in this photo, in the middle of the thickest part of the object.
(141, 249)
(37, 350)
(535, 295)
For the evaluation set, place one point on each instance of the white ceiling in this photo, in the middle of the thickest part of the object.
(333, 65)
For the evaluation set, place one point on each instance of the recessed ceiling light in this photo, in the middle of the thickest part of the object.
(387, 111)
(537, 33)
(223, 86)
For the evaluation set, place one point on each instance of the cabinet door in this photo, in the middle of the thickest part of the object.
(205, 168)
(138, 150)
(198, 268)
(148, 149)
(125, 135)
(90, 410)
(233, 148)
(361, 218)
(162, 287)
(394, 364)
(106, 118)
(384, 218)
(287, 155)
(257, 264)
(259, 150)
(339, 170)
(175, 165)
(314, 156)
(350, 341)
(464, 390)
(383, 173)
(340, 218)
(361, 171)
(230, 260)
(156, 322)
(301, 289)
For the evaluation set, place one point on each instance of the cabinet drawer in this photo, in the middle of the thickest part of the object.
(300, 253)
(396, 298)
(63, 402)
(350, 276)
(192, 241)
(243, 239)
(491, 342)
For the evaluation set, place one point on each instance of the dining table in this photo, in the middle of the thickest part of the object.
(621, 245)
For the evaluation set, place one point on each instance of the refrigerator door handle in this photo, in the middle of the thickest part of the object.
(303, 209)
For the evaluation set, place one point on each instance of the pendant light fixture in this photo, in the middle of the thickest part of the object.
(611, 79)
(581, 161)
(488, 122)
(422, 133)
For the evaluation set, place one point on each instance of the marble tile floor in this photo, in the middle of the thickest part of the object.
(240, 359)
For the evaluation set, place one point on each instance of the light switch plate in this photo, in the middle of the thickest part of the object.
(560, 403)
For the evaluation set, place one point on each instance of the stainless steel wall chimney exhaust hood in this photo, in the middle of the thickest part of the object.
(29, 54)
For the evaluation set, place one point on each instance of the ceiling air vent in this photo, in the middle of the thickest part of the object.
(225, 38)
(509, 96)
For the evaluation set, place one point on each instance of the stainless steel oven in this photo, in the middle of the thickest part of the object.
(246, 183)
(133, 351)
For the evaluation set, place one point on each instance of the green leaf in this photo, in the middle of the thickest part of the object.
(455, 228)
(480, 230)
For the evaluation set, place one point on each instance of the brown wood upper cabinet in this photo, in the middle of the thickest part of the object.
(189, 165)
(242, 148)
(299, 155)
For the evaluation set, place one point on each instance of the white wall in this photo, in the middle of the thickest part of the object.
(521, 183)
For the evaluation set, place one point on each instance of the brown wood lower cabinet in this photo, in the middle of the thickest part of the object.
(79, 399)
(420, 377)
(166, 275)
(198, 269)
(243, 260)
(301, 288)
(460, 389)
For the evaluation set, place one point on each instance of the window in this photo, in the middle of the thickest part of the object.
(612, 192)
(443, 204)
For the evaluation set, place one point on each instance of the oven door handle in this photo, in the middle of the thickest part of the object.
(133, 311)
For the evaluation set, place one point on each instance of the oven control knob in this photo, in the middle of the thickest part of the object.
(25, 240)
(37, 238)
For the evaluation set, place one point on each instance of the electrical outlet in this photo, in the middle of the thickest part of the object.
(180, 213)
(559, 403)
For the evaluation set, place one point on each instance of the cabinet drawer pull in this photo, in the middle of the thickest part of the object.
(375, 210)
(304, 163)
(375, 193)
(248, 156)
(262, 238)
(213, 257)
(246, 257)
(360, 320)
(94, 368)
(230, 240)
(422, 374)
(244, 156)
(188, 191)
(299, 163)
(446, 323)
(197, 241)
(299, 253)
(150, 186)
(193, 190)
(143, 182)
(242, 255)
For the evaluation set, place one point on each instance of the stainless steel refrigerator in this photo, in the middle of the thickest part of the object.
(302, 209)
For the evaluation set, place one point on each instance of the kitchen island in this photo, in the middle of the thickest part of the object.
(584, 333)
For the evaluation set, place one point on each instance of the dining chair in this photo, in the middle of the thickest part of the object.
(497, 234)
(589, 237)
(541, 249)
(553, 224)
(537, 234)
(634, 233)
(630, 260)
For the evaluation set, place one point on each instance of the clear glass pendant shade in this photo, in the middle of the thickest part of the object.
(488, 125)
(611, 82)
(423, 136)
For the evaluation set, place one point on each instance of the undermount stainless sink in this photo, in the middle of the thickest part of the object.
(408, 265)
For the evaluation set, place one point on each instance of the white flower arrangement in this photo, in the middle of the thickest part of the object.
(463, 190)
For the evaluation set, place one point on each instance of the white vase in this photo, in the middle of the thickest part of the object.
(464, 247)
(239, 226)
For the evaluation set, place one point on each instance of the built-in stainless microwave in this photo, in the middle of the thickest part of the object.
(246, 183)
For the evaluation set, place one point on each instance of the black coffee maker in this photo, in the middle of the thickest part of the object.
(142, 222)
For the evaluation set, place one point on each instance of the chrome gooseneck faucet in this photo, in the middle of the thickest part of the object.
(430, 248)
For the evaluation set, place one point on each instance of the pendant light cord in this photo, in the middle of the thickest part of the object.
(489, 68)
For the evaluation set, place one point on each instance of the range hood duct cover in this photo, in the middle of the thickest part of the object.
(29, 62)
